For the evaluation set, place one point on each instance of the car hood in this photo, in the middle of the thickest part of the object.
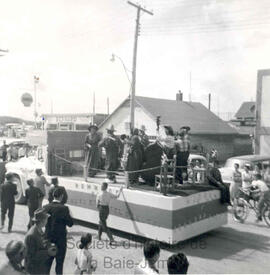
(27, 164)
(227, 174)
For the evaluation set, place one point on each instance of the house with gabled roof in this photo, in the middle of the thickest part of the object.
(208, 131)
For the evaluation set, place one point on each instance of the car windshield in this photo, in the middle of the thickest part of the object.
(230, 163)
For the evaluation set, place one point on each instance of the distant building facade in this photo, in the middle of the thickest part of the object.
(244, 123)
(71, 122)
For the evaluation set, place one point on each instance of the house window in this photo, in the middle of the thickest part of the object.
(65, 126)
(82, 127)
(52, 127)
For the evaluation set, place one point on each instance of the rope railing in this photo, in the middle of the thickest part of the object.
(164, 186)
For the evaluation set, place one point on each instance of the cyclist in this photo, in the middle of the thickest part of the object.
(264, 196)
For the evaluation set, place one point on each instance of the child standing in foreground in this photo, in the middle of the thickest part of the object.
(84, 259)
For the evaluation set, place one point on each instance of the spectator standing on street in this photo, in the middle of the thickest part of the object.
(32, 195)
(56, 231)
(178, 264)
(54, 186)
(84, 258)
(215, 179)
(8, 192)
(40, 182)
(4, 151)
(246, 177)
(151, 253)
(15, 252)
(103, 202)
(37, 252)
(236, 183)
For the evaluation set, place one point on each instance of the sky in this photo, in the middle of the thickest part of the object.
(196, 46)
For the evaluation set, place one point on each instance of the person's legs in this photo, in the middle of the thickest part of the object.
(31, 215)
(48, 264)
(60, 256)
(10, 216)
(40, 200)
(103, 215)
(233, 190)
(3, 214)
(260, 205)
(107, 230)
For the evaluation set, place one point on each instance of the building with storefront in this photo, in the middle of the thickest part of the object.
(71, 122)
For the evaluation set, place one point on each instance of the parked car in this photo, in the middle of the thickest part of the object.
(24, 169)
(16, 143)
(252, 160)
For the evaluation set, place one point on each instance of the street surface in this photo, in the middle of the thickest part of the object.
(234, 248)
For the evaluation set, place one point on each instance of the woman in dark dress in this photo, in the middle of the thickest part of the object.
(135, 156)
(92, 151)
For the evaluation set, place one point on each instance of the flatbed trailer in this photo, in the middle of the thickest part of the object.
(188, 211)
(141, 211)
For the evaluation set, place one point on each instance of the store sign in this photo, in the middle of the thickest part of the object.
(66, 119)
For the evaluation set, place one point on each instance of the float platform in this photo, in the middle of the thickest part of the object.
(189, 212)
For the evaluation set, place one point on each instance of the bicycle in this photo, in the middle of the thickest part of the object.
(246, 200)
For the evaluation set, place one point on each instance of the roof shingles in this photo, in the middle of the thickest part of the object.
(181, 113)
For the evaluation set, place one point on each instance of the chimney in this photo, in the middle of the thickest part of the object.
(179, 96)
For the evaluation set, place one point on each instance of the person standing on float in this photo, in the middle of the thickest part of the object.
(112, 144)
(92, 151)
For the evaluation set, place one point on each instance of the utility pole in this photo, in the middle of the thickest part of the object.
(94, 108)
(36, 80)
(51, 106)
(108, 106)
(132, 97)
(209, 101)
(190, 87)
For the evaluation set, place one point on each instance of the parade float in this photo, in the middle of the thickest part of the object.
(166, 214)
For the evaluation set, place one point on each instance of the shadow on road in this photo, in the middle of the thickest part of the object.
(223, 243)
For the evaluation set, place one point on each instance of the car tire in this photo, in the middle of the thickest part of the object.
(19, 198)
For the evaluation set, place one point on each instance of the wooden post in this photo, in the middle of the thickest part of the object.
(126, 179)
(165, 178)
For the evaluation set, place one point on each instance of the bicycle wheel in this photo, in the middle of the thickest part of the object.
(240, 210)
(266, 214)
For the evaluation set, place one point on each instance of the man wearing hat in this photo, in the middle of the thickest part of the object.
(56, 231)
(135, 157)
(38, 250)
(54, 186)
(15, 251)
(40, 182)
(215, 179)
(112, 144)
(143, 137)
(91, 150)
(8, 193)
(32, 195)
(182, 149)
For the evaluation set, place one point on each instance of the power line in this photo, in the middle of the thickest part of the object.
(206, 28)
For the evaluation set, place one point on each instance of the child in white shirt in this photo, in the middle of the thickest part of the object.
(84, 259)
